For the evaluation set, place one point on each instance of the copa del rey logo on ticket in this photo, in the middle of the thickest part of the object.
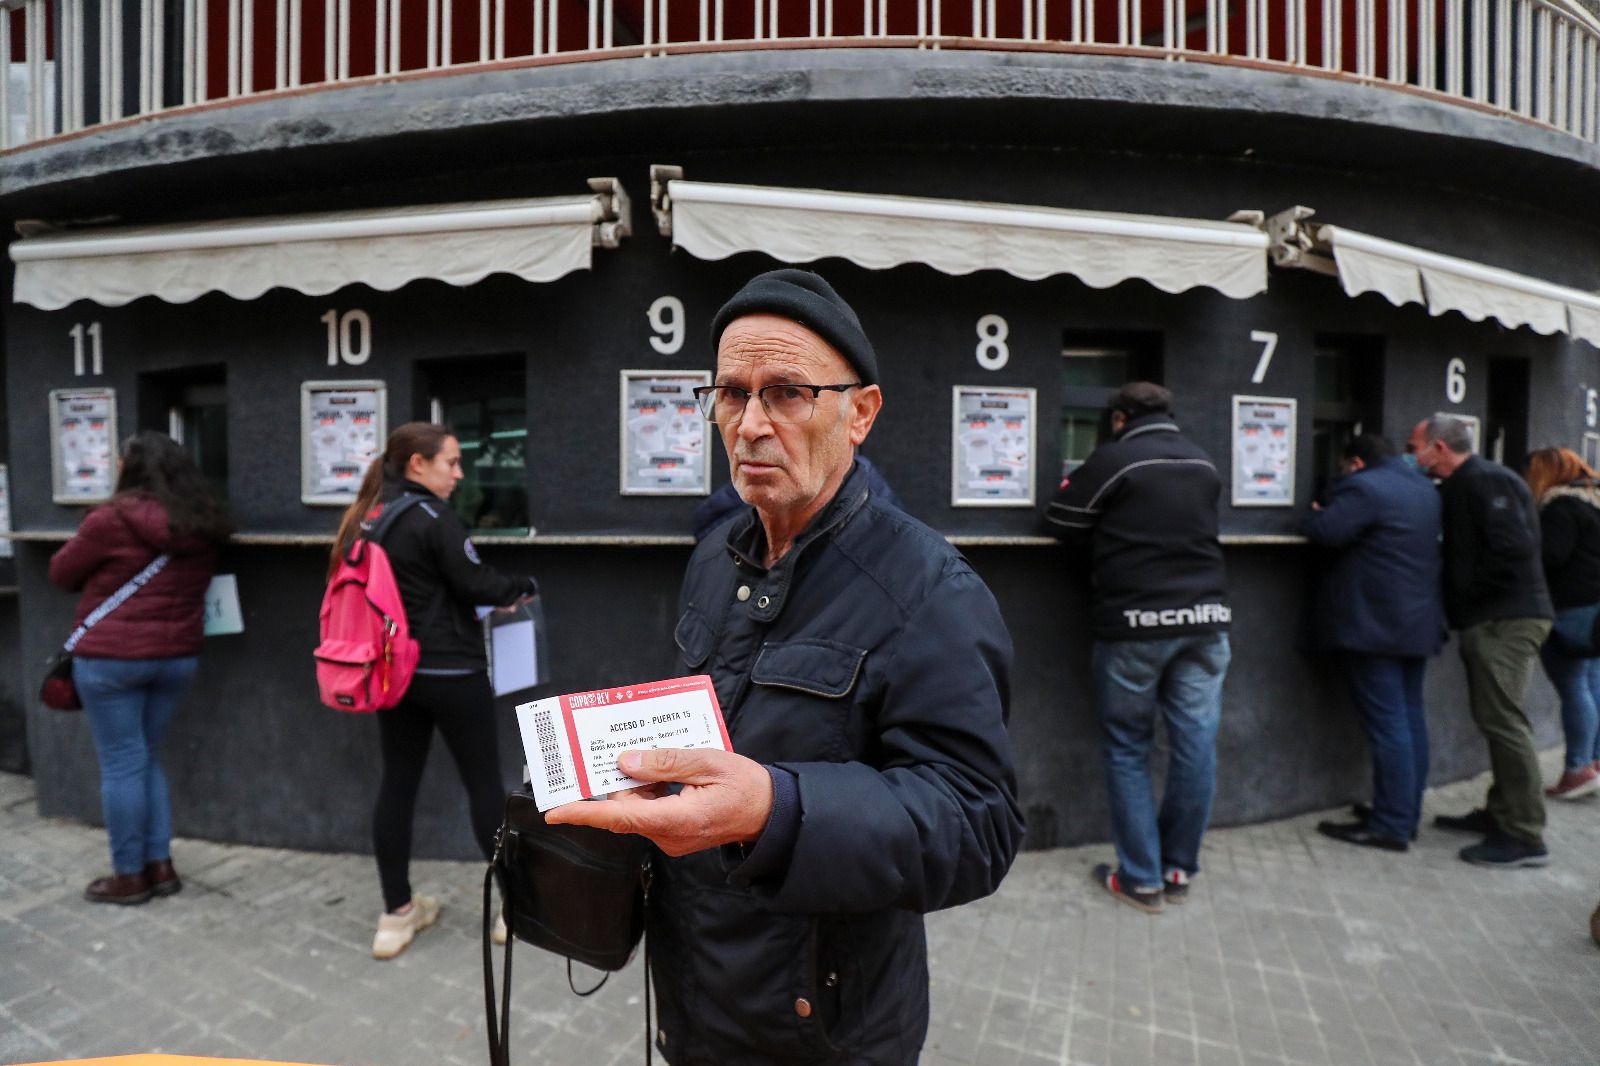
(572, 741)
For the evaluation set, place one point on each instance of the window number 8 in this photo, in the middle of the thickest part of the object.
(992, 352)
(666, 318)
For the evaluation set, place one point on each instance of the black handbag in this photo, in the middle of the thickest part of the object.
(573, 890)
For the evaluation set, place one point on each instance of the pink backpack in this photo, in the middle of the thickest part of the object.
(366, 656)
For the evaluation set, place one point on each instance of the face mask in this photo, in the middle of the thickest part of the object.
(1411, 461)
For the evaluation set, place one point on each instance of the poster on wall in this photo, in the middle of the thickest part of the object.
(664, 445)
(1263, 451)
(343, 425)
(83, 445)
(992, 447)
(5, 512)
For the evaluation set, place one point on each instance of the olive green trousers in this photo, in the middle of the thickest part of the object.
(1499, 658)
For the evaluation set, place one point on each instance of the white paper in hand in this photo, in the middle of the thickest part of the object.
(572, 742)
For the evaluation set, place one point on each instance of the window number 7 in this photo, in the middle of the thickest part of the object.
(1269, 344)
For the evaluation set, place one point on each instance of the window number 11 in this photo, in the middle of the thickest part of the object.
(96, 355)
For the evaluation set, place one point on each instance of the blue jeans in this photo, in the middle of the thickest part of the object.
(1387, 693)
(129, 703)
(1577, 682)
(1181, 680)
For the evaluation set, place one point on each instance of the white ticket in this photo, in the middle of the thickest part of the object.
(572, 742)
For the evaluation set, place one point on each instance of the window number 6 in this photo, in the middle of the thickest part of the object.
(1455, 380)
(992, 352)
(666, 318)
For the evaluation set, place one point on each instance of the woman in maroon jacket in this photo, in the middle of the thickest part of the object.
(133, 667)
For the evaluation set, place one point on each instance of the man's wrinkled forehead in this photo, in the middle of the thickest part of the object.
(774, 345)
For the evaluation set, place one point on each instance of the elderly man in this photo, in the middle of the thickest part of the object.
(1495, 595)
(863, 669)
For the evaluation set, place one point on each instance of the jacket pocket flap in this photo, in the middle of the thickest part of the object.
(820, 667)
(694, 637)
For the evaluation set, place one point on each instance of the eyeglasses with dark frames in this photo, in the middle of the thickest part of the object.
(787, 403)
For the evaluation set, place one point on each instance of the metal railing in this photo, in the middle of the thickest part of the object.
(77, 64)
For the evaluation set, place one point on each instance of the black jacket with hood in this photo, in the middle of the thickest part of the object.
(1145, 506)
(442, 580)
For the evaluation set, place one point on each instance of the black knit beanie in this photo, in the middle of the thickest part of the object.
(803, 297)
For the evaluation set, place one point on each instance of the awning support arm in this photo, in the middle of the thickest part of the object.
(1297, 243)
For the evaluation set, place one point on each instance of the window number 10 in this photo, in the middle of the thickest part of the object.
(349, 336)
(96, 355)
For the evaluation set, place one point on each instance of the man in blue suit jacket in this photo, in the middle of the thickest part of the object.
(1380, 611)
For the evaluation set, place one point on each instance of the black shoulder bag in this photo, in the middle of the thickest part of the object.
(571, 889)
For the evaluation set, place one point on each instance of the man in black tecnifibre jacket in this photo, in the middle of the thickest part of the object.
(1144, 504)
(864, 673)
(1495, 595)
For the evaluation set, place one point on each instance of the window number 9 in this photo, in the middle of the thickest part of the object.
(992, 351)
(666, 318)
(1455, 380)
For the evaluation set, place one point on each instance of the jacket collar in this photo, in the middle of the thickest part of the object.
(747, 541)
(1151, 423)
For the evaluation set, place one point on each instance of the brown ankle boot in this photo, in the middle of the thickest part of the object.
(118, 888)
(163, 877)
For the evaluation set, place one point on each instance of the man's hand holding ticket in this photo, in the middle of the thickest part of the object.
(632, 742)
(572, 742)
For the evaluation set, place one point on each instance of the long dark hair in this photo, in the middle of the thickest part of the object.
(157, 467)
(413, 438)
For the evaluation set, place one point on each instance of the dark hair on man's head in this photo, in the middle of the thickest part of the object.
(1370, 448)
(1138, 398)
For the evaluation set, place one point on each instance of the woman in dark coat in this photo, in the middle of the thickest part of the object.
(1569, 536)
(132, 668)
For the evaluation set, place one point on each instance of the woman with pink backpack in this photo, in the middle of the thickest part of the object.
(441, 581)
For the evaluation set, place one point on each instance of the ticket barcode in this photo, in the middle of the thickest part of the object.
(550, 749)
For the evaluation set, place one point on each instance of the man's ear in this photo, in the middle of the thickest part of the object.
(867, 402)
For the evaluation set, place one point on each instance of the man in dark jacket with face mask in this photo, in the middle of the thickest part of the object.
(864, 673)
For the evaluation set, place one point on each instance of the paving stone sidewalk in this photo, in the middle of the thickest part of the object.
(1295, 949)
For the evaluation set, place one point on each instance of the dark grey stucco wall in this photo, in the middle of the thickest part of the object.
(254, 757)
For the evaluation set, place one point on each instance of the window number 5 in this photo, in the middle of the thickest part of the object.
(1269, 344)
(1455, 380)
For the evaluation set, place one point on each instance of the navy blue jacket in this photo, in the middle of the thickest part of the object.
(1383, 595)
(872, 664)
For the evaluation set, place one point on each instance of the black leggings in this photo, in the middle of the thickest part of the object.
(462, 706)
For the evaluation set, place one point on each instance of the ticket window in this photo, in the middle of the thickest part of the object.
(484, 402)
(191, 407)
(1347, 400)
(1506, 439)
(1093, 368)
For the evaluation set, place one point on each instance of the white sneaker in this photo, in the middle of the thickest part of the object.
(498, 935)
(395, 931)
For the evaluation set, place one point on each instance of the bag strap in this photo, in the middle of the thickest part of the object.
(117, 599)
(499, 1028)
(377, 529)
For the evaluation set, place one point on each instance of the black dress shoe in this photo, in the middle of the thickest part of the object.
(1363, 814)
(1477, 821)
(1357, 833)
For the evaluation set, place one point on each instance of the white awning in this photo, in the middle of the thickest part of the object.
(959, 236)
(1404, 274)
(534, 239)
